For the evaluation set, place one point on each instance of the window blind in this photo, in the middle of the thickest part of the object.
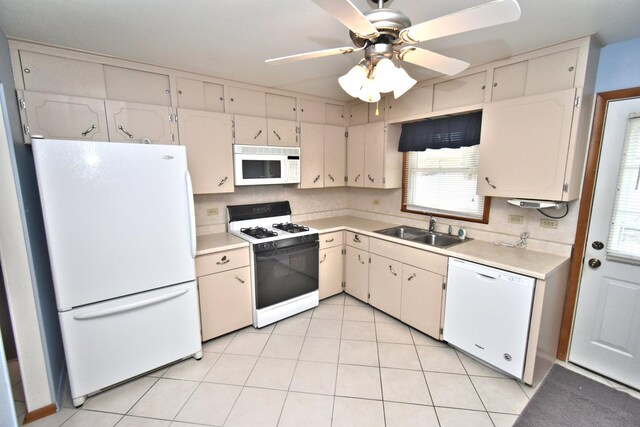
(444, 181)
(624, 234)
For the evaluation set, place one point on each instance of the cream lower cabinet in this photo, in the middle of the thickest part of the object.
(208, 140)
(140, 123)
(356, 273)
(422, 297)
(224, 285)
(385, 284)
(331, 271)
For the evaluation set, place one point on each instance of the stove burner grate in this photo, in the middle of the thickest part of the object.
(258, 232)
(290, 227)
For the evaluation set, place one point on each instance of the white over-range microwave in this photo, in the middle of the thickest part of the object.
(260, 165)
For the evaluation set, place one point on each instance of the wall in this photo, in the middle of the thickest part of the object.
(619, 65)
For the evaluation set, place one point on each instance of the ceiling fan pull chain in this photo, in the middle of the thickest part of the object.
(377, 103)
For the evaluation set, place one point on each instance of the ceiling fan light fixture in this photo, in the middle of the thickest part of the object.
(352, 81)
(369, 91)
(385, 75)
(403, 83)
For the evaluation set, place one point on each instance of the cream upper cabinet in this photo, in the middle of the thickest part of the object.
(377, 110)
(246, 102)
(250, 130)
(356, 273)
(459, 92)
(63, 117)
(551, 72)
(355, 156)
(200, 95)
(141, 123)
(382, 161)
(124, 84)
(334, 114)
(358, 114)
(509, 81)
(416, 103)
(65, 76)
(385, 284)
(311, 155)
(335, 156)
(208, 140)
(312, 111)
(422, 300)
(281, 107)
(282, 133)
(524, 146)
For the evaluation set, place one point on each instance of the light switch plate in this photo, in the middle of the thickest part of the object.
(212, 211)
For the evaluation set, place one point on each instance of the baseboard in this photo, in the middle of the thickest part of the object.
(39, 413)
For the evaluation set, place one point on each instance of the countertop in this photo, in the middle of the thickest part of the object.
(535, 264)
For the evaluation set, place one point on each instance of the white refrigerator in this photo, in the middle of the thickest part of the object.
(120, 228)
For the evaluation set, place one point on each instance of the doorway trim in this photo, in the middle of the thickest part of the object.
(584, 215)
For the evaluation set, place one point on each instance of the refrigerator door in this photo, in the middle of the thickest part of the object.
(109, 342)
(118, 218)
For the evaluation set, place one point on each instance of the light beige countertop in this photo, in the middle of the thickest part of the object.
(523, 261)
(218, 242)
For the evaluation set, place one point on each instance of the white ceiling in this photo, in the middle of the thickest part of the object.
(231, 38)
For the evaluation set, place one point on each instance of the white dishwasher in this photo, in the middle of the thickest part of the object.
(487, 314)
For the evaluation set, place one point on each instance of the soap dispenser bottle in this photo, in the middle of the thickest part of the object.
(462, 233)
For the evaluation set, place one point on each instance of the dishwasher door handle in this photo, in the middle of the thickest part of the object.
(485, 277)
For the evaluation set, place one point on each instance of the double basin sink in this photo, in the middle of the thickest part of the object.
(419, 235)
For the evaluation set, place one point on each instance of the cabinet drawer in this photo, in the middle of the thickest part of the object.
(328, 240)
(417, 257)
(221, 261)
(357, 240)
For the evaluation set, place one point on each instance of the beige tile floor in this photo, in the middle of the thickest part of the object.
(341, 364)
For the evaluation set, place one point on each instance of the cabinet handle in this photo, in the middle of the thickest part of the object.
(258, 134)
(486, 178)
(179, 92)
(88, 131)
(356, 180)
(231, 99)
(331, 178)
(316, 179)
(391, 270)
(222, 181)
(125, 131)
(223, 261)
(571, 68)
(277, 136)
(495, 85)
(323, 258)
(356, 239)
(239, 279)
(411, 277)
(360, 259)
(370, 179)
(329, 240)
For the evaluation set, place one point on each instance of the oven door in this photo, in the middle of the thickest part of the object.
(283, 274)
(259, 169)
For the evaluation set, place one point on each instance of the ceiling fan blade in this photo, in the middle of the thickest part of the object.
(434, 61)
(350, 16)
(315, 54)
(482, 16)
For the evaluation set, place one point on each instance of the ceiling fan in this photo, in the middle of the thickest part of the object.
(383, 33)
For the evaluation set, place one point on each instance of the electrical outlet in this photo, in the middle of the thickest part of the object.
(548, 223)
(516, 219)
(376, 202)
(212, 211)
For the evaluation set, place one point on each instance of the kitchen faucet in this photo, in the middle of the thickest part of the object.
(432, 225)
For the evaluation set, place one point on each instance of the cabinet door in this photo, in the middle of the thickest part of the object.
(52, 74)
(385, 284)
(246, 101)
(199, 95)
(207, 138)
(64, 117)
(312, 111)
(124, 84)
(509, 81)
(334, 114)
(551, 73)
(358, 114)
(355, 156)
(524, 146)
(374, 155)
(282, 133)
(142, 123)
(311, 155)
(225, 302)
(422, 300)
(335, 156)
(415, 103)
(330, 271)
(467, 90)
(281, 107)
(213, 97)
(250, 130)
(356, 273)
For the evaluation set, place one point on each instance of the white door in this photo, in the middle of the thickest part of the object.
(606, 333)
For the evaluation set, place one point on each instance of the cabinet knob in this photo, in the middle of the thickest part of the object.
(594, 263)
(179, 92)
(26, 71)
(167, 91)
(597, 245)
(571, 68)
(483, 87)
(231, 99)
(495, 85)
(221, 99)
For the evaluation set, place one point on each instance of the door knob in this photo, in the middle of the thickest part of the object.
(597, 245)
(594, 263)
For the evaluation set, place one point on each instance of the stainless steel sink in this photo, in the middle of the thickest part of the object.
(420, 235)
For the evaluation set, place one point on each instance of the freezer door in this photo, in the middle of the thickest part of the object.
(118, 218)
(110, 342)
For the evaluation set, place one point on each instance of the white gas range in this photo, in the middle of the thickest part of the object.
(284, 260)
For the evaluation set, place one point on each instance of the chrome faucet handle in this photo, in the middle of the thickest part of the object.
(432, 224)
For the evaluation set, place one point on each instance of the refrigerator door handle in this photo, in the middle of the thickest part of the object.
(192, 215)
(92, 314)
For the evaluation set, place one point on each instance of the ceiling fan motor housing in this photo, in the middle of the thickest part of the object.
(388, 22)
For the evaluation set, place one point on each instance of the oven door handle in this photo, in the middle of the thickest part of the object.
(295, 248)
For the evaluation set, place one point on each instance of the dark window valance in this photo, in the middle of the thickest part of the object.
(444, 132)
